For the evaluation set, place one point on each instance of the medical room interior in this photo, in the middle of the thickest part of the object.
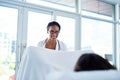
(87, 26)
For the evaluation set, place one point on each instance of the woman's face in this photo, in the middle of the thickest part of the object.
(53, 32)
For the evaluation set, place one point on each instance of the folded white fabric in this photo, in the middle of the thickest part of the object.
(85, 75)
(37, 62)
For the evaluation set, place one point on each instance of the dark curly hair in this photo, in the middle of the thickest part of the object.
(52, 24)
(92, 61)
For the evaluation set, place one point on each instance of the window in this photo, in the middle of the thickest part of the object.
(8, 26)
(97, 36)
(67, 33)
(97, 8)
(119, 13)
(37, 23)
(68, 5)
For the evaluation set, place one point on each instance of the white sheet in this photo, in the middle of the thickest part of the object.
(38, 62)
(85, 75)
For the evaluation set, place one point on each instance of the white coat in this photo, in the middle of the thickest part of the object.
(59, 46)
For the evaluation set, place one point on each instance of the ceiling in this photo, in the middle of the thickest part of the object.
(97, 6)
(112, 1)
(71, 3)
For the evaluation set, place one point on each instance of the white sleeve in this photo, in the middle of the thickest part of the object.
(63, 46)
(41, 43)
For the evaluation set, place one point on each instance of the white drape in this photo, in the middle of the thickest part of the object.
(37, 62)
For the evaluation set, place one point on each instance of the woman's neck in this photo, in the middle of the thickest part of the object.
(51, 44)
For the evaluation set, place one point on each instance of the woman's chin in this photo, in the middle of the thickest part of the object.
(54, 38)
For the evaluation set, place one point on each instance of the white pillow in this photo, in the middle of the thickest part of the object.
(37, 62)
(85, 75)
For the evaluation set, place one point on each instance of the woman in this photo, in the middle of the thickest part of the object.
(92, 61)
(51, 42)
